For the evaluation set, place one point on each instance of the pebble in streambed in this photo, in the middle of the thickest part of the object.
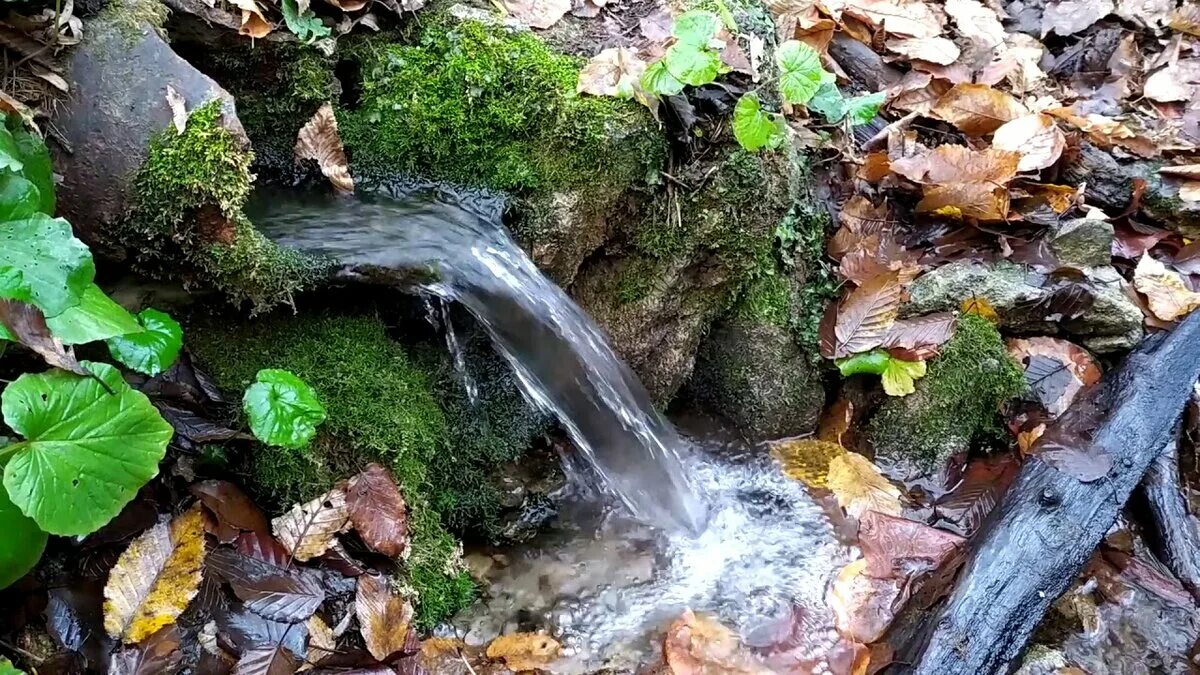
(609, 590)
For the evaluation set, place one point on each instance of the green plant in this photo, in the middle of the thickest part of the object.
(152, 349)
(691, 60)
(283, 410)
(305, 25)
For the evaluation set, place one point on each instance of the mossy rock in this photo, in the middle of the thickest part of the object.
(381, 407)
(955, 405)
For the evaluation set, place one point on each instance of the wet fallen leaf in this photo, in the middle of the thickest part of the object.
(377, 511)
(983, 483)
(1055, 369)
(975, 201)
(1068, 17)
(932, 49)
(254, 22)
(318, 140)
(308, 530)
(384, 615)
(275, 592)
(321, 641)
(158, 654)
(860, 487)
(876, 166)
(27, 325)
(1169, 298)
(524, 651)
(233, 510)
(899, 377)
(977, 109)
(979, 306)
(698, 645)
(1082, 461)
(866, 315)
(273, 659)
(898, 548)
(863, 606)
(835, 424)
(155, 578)
(959, 164)
(1036, 138)
(179, 114)
(859, 219)
(537, 13)
(921, 332)
(806, 459)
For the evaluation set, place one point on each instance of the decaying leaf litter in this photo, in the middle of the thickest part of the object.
(968, 155)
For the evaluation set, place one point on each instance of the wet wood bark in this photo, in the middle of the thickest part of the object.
(1037, 540)
(1112, 183)
(1176, 533)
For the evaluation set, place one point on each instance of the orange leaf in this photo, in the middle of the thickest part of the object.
(1036, 138)
(975, 201)
(979, 306)
(977, 109)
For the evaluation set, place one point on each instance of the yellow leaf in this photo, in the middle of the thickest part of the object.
(899, 376)
(384, 615)
(806, 460)
(155, 578)
(318, 140)
(860, 487)
(1169, 298)
(524, 651)
(980, 307)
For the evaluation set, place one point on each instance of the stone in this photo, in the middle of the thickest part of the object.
(756, 375)
(1082, 242)
(1113, 323)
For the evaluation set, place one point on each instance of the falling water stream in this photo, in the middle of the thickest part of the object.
(704, 528)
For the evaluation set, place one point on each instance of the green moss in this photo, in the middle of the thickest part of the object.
(485, 106)
(957, 402)
(381, 407)
(767, 299)
(801, 237)
(131, 17)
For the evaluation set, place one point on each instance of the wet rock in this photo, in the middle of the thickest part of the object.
(756, 376)
(119, 77)
(1082, 242)
(1112, 322)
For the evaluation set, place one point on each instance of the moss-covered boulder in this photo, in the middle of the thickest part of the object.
(956, 404)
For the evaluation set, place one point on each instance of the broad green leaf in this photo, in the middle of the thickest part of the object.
(21, 545)
(13, 287)
(95, 318)
(19, 198)
(659, 81)
(149, 351)
(696, 28)
(692, 65)
(829, 103)
(7, 668)
(873, 362)
(57, 266)
(10, 154)
(306, 26)
(800, 71)
(755, 129)
(86, 451)
(899, 376)
(35, 158)
(863, 109)
(283, 409)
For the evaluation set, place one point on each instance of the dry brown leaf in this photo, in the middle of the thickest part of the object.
(537, 13)
(348, 5)
(1149, 13)
(308, 530)
(27, 325)
(524, 652)
(1186, 19)
(1190, 191)
(866, 315)
(976, 22)
(959, 164)
(909, 95)
(806, 459)
(1025, 52)
(932, 49)
(318, 140)
(383, 615)
(1068, 17)
(155, 578)
(321, 642)
(971, 201)
(698, 645)
(836, 422)
(921, 333)
(1168, 85)
(875, 167)
(911, 18)
(613, 72)
(179, 115)
(977, 109)
(860, 487)
(1168, 297)
(1188, 171)
(1036, 138)
(254, 22)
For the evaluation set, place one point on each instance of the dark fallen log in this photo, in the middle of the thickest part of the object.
(1176, 539)
(1050, 521)
(866, 69)
(1112, 184)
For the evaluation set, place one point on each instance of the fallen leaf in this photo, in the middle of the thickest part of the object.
(158, 654)
(384, 616)
(932, 49)
(979, 306)
(321, 641)
(309, 529)
(1190, 191)
(875, 167)
(859, 218)
(1149, 13)
(899, 377)
(348, 5)
(1068, 17)
(698, 645)
(976, 22)
(1169, 298)
(318, 140)
(537, 13)
(524, 651)
(1036, 138)
(244, 630)
(959, 164)
(806, 459)
(155, 578)
(232, 509)
(267, 589)
(254, 22)
(1168, 85)
(273, 659)
(983, 483)
(976, 201)
(1084, 462)
(27, 325)
(179, 114)
(616, 71)
(866, 315)
(860, 487)
(377, 511)
(898, 548)
(911, 18)
(1186, 19)
(922, 332)
(835, 424)
(1190, 171)
(1055, 369)
(863, 606)
(977, 109)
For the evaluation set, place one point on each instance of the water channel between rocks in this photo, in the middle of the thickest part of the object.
(704, 525)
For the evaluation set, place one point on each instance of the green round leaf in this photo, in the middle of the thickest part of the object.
(86, 451)
(149, 351)
(22, 544)
(10, 154)
(35, 160)
(7, 668)
(13, 287)
(19, 198)
(659, 81)
(95, 318)
(829, 103)
(692, 65)
(56, 266)
(754, 128)
(283, 409)
(863, 109)
(873, 362)
(696, 28)
(800, 71)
